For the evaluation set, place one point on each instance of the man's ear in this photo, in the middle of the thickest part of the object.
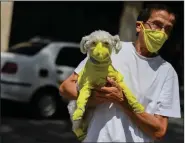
(138, 26)
(83, 47)
(117, 43)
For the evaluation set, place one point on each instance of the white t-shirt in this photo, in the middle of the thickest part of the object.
(155, 84)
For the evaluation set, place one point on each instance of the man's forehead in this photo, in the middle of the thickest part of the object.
(163, 15)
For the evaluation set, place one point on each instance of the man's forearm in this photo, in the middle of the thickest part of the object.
(152, 125)
(69, 90)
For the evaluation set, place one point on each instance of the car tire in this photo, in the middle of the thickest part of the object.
(45, 105)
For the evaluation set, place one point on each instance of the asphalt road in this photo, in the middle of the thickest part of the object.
(17, 126)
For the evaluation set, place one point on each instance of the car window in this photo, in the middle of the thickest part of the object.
(69, 56)
(29, 49)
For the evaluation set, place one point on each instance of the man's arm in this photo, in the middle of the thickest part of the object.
(168, 105)
(69, 91)
(68, 87)
(153, 125)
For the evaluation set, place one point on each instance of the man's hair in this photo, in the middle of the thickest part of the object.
(145, 14)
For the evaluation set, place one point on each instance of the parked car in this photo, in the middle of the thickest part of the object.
(32, 71)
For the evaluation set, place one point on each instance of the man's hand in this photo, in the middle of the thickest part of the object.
(96, 98)
(113, 92)
(110, 93)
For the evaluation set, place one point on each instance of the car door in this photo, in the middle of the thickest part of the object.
(67, 60)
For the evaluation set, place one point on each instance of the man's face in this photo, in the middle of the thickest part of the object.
(159, 20)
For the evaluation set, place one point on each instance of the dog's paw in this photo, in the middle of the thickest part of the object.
(78, 114)
(138, 108)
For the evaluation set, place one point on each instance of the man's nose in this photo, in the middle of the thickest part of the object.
(163, 29)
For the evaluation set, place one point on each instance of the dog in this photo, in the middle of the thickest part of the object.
(98, 46)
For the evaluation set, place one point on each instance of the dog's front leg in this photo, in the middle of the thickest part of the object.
(84, 94)
(136, 106)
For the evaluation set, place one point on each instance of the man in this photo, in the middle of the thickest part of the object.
(152, 80)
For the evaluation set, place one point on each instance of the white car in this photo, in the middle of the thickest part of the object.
(32, 72)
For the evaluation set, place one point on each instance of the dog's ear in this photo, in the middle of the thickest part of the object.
(117, 43)
(83, 47)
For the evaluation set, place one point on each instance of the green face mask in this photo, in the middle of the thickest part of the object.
(154, 39)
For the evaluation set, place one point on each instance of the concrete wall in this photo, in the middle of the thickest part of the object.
(128, 20)
(6, 18)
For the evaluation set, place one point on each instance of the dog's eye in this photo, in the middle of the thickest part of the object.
(106, 43)
(93, 43)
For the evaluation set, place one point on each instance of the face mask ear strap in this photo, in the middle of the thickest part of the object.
(141, 23)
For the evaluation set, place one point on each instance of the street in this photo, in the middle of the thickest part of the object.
(18, 127)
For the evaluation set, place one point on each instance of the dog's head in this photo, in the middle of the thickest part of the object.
(99, 45)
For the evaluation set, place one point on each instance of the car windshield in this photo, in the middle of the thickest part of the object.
(27, 48)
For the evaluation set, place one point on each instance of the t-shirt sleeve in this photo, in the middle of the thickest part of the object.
(168, 103)
(81, 65)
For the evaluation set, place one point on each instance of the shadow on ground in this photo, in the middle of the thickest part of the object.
(19, 126)
(21, 110)
(31, 131)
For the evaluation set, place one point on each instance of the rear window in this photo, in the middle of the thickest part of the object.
(69, 56)
(29, 49)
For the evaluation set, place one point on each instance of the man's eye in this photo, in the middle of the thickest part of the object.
(157, 25)
(168, 29)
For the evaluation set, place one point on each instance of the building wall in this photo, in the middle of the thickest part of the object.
(6, 18)
(128, 18)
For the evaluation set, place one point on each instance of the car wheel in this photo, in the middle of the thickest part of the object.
(45, 105)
